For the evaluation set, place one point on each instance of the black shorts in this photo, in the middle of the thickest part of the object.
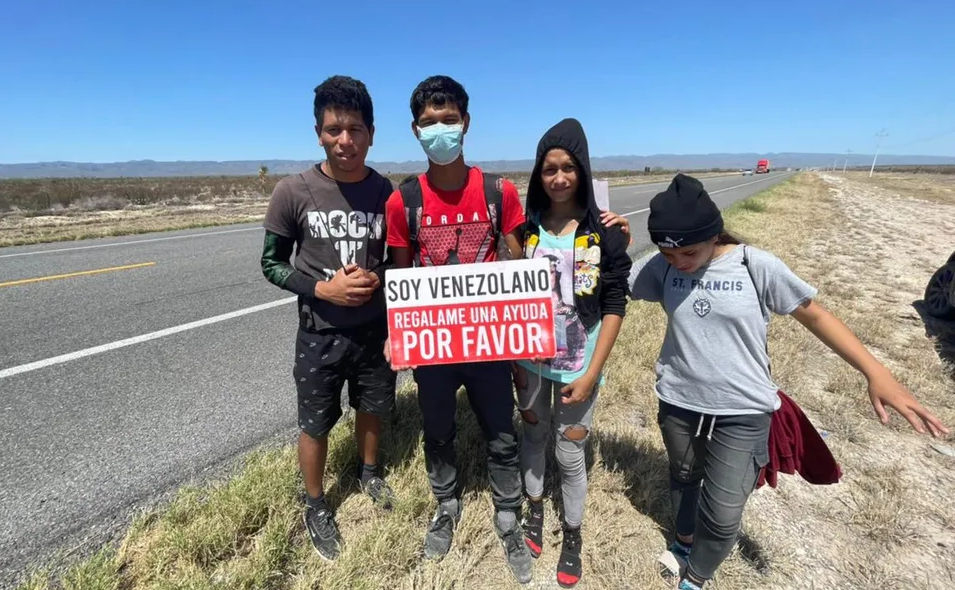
(325, 361)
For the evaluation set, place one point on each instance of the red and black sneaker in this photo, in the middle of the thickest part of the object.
(569, 566)
(534, 528)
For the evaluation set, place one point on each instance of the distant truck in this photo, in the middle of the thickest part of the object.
(762, 167)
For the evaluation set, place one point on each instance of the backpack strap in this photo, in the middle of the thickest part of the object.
(759, 298)
(413, 200)
(666, 273)
(494, 199)
(752, 279)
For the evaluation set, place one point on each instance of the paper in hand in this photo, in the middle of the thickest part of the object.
(602, 194)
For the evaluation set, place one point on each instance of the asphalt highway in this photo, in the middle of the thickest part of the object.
(172, 358)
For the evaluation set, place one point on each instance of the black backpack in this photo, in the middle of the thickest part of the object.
(412, 197)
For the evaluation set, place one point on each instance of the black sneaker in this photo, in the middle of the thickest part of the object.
(569, 567)
(379, 491)
(437, 541)
(516, 552)
(534, 528)
(321, 527)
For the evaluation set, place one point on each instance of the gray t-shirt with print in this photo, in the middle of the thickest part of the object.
(334, 224)
(714, 359)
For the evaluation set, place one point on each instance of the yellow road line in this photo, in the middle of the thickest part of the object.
(76, 274)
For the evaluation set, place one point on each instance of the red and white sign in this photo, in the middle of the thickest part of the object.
(457, 313)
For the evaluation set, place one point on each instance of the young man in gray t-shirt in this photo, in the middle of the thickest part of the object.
(334, 213)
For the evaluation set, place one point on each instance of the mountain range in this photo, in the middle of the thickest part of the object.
(152, 168)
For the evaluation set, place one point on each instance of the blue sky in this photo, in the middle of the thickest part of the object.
(214, 80)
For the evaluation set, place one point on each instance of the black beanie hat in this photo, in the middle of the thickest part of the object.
(683, 214)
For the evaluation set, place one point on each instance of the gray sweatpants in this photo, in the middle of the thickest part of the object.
(549, 410)
(723, 455)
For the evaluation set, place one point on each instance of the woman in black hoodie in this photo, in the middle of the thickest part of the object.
(589, 270)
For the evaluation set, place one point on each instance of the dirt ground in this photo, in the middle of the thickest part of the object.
(889, 524)
(928, 187)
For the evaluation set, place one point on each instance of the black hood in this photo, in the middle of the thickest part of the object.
(569, 135)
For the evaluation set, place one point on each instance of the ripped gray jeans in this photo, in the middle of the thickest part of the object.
(542, 409)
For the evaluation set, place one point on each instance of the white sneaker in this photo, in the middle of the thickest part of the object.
(673, 562)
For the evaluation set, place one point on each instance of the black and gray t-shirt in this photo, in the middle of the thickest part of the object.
(334, 224)
(714, 359)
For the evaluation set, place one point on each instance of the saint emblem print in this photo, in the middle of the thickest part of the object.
(702, 307)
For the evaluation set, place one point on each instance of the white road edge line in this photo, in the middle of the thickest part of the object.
(722, 190)
(63, 358)
(127, 243)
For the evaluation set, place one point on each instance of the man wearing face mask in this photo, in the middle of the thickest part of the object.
(457, 214)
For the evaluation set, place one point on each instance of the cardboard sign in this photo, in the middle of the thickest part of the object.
(602, 194)
(470, 312)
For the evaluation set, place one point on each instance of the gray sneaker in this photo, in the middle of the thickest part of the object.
(437, 541)
(518, 556)
(375, 487)
(379, 491)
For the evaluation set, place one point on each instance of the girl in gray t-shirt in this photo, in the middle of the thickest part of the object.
(713, 374)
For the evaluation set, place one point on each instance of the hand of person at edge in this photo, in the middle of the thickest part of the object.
(885, 390)
(611, 219)
(350, 287)
(387, 352)
(579, 390)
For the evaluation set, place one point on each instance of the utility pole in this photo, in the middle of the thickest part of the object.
(878, 145)
(846, 162)
(834, 162)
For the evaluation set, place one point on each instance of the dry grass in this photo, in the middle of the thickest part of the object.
(889, 524)
(44, 210)
(81, 225)
(933, 187)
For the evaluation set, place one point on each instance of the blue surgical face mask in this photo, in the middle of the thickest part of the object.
(442, 143)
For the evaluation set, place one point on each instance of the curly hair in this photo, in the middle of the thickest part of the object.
(438, 91)
(343, 92)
